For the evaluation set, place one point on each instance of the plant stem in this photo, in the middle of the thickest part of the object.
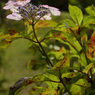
(61, 80)
(65, 86)
(30, 39)
(44, 53)
(83, 51)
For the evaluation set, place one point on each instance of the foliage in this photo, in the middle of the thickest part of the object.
(65, 53)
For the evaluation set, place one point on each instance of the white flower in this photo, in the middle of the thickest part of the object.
(22, 3)
(25, 10)
(9, 5)
(14, 16)
(54, 11)
(13, 4)
(47, 16)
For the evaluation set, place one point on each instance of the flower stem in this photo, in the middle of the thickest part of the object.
(44, 53)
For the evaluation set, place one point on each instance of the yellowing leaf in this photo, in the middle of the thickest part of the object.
(4, 43)
(45, 23)
(29, 27)
(79, 87)
(64, 62)
(93, 39)
(23, 82)
(88, 67)
(91, 47)
(84, 39)
(59, 54)
(31, 64)
(68, 75)
(7, 37)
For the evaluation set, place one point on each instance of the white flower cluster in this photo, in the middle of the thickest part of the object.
(22, 9)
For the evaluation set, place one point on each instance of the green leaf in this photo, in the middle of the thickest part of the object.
(31, 64)
(55, 70)
(43, 91)
(64, 37)
(59, 54)
(59, 34)
(36, 90)
(33, 47)
(90, 10)
(23, 82)
(45, 23)
(19, 85)
(79, 87)
(52, 77)
(88, 67)
(63, 63)
(29, 27)
(68, 75)
(76, 14)
(7, 37)
(88, 20)
(65, 24)
(76, 90)
(4, 43)
(36, 63)
(52, 85)
(68, 23)
(84, 36)
(82, 59)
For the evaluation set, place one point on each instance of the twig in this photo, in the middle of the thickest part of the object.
(61, 80)
(30, 39)
(44, 53)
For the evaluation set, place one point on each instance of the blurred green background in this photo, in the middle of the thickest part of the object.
(14, 59)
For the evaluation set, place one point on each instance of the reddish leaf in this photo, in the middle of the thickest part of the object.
(91, 47)
(7, 37)
(93, 39)
(45, 23)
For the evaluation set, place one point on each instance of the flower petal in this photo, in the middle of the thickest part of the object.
(47, 17)
(54, 11)
(14, 9)
(14, 16)
(10, 4)
(22, 3)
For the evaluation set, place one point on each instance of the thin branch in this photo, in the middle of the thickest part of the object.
(61, 80)
(55, 81)
(42, 39)
(82, 72)
(30, 39)
(44, 53)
